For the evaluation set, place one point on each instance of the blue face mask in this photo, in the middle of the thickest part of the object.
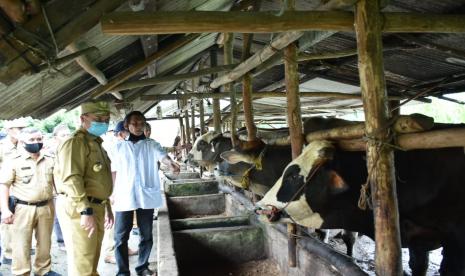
(97, 128)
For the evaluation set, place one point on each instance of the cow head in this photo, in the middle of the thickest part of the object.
(244, 151)
(207, 149)
(305, 175)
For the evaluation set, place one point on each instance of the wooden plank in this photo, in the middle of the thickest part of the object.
(172, 78)
(277, 44)
(258, 95)
(143, 23)
(380, 159)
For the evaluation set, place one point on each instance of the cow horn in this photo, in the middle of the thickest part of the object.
(326, 152)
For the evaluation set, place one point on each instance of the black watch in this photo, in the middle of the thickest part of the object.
(88, 212)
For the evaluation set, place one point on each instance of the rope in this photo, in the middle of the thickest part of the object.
(49, 27)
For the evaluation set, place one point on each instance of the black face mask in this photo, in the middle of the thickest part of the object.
(133, 138)
(33, 148)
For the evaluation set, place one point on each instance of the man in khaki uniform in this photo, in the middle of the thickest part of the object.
(29, 177)
(8, 150)
(82, 169)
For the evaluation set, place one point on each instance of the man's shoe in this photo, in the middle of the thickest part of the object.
(146, 272)
(135, 231)
(132, 252)
(110, 260)
(6, 261)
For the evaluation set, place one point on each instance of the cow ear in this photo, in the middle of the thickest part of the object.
(233, 157)
(336, 183)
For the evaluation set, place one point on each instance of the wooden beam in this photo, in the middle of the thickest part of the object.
(257, 95)
(172, 78)
(380, 158)
(277, 44)
(143, 23)
(140, 66)
(76, 55)
(435, 139)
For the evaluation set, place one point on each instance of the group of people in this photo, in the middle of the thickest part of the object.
(95, 189)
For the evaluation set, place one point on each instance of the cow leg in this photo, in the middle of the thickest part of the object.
(419, 259)
(349, 239)
(453, 261)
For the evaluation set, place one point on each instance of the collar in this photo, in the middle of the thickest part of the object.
(89, 136)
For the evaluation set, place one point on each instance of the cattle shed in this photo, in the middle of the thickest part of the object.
(235, 63)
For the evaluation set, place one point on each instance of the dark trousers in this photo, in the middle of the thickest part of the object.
(123, 227)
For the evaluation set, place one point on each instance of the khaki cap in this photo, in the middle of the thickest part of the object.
(99, 108)
(20, 123)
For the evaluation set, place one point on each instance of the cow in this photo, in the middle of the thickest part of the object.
(210, 148)
(321, 189)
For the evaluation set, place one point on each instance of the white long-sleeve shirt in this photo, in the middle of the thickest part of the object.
(137, 184)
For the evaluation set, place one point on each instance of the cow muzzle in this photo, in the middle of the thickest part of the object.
(272, 213)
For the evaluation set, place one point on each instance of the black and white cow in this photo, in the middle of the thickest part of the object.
(430, 190)
(274, 159)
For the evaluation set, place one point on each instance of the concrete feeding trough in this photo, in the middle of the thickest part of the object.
(217, 233)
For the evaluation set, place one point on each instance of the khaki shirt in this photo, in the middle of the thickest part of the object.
(29, 180)
(7, 150)
(82, 169)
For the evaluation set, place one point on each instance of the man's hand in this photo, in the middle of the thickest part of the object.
(88, 223)
(109, 219)
(7, 216)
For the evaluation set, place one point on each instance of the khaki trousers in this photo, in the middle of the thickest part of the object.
(109, 241)
(27, 220)
(5, 233)
(83, 253)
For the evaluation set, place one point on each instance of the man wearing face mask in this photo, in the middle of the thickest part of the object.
(29, 177)
(84, 185)
(8, 150)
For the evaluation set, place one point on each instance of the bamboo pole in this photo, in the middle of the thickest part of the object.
(187, 124)
(380, 159)
(162, 22)
(140, 66)
(247, 92)
(258, 95)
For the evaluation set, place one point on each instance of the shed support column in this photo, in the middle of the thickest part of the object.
(247, 92)
(186, 120)
(202, 117)
(380, 159)
(215, 102)
(294, 120)
(193, 121)
(228, 59)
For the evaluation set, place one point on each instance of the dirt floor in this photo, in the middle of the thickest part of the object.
(104, 269)
(364, 254)
(253, 268)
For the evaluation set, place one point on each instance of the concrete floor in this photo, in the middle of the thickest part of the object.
(59, 258)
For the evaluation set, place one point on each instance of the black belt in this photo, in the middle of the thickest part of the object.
(91, 199)
(37, 204)
(96, 200)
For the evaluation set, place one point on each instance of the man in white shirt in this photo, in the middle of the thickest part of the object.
(137, 187)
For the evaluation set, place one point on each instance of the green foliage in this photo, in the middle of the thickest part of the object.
(442, 111)
(69, 118)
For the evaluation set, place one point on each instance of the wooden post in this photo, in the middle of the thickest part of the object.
(193, 121)
(380, 159)
(247, 92)
(182, 130)
(202, 117)
(294, 120)
(215, 102)
(228, 59)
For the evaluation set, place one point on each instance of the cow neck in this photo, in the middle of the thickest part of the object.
(257, 164)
